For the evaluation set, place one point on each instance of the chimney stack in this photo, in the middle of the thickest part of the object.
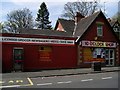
(78, 17)
(109, 20)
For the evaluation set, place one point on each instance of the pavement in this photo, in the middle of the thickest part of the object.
(57, 72)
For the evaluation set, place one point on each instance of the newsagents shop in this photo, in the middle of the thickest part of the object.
(24, 52)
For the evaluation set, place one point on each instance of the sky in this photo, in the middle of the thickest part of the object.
(55, 7)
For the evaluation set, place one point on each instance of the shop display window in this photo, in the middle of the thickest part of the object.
(98, 53)
(45, 53)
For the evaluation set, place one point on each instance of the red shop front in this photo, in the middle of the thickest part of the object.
(21, 52)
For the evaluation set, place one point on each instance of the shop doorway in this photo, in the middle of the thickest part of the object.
(18, 55)
(110, 57)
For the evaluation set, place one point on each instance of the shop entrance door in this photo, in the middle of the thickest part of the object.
(18, 59)
(110, 57)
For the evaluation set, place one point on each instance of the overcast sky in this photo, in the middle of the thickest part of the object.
(55, 7)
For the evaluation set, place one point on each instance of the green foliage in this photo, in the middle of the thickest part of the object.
(43, 17)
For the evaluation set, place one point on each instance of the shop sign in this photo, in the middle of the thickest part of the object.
(98, 44)
(36, 40)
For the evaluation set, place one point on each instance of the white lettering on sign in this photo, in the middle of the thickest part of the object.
(98, 44)
(36, 40)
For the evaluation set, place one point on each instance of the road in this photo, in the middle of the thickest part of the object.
(98, 80)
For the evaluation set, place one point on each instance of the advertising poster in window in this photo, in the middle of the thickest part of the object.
(87, 55)
(94, 54)
(45, 53)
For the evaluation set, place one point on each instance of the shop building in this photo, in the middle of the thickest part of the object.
(96, 40)
(38, 49)
(72, 44)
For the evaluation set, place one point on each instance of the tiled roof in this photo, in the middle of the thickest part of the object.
(112, 22)
(82, 26)
(68, 25)
(84, 23)
(44, 32)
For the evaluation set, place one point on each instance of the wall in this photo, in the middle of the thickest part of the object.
(107, 33)
(62, 56)
(91, 35)
(7, 57)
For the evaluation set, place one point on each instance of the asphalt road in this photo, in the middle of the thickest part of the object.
(98, 80)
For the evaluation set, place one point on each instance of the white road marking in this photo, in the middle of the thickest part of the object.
(2, 82)
(42, 77)
(10, 86)
(44, 84)
(86, 80)
(48, 77)
(106, 78)
(30, 81)
(64, 82)
(11, 81)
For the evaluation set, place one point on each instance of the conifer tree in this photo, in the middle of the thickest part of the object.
(43, 17)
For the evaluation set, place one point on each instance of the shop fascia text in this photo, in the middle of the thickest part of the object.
(35, 40)
(98, 44)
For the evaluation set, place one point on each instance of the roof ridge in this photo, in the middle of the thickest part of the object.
(92, 15)
(65, 19)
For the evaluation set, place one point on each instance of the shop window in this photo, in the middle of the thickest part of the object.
(87, 53)
(99, 53)
(99, 30)
(106, 53)
(45, 53)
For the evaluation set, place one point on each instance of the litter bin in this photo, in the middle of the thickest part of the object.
(96, 66)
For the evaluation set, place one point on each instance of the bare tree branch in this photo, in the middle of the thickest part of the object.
(19, 19)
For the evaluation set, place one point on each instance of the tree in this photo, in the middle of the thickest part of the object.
(43, 17)
(19, 19)
(85, 8)
(116, 17)
(2, 28)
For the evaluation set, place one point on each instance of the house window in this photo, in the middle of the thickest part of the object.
(99, 30)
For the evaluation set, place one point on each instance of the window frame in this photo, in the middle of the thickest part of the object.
(99, 30)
